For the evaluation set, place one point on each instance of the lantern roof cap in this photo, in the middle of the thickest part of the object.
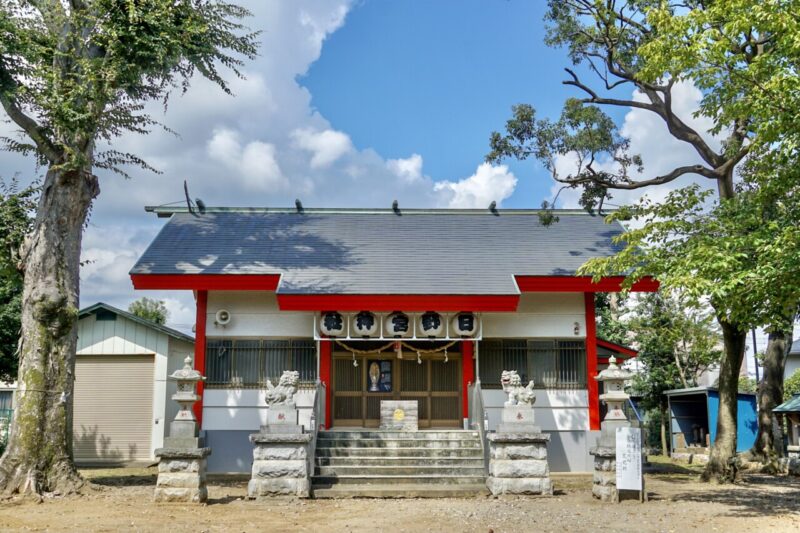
(187, 373)
(613, 372)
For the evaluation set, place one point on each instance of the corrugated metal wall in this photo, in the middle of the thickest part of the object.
(113, 408)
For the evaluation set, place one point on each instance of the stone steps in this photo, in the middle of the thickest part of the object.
(388, 460)
(399, 490)
(410, 451)
(378, 464)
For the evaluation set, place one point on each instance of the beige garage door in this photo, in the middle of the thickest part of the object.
(113, 408)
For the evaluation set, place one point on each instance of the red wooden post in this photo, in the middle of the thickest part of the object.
(325, 362)
(467, 373)
(591, 363)
(200, 351)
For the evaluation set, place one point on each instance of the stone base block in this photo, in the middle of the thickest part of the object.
(399, 415)
(498, 486)
(280, 469)
(518, 464)
(181, 495)
(282, 428)
(181, 475)
(260, 488)
(605, 493)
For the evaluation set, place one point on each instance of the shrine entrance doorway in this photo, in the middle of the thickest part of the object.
(357, 389)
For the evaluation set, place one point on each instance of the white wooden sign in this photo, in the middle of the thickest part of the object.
(629, 459)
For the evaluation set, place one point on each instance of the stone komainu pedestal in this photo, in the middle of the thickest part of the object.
(181, 475)
(518, 464)
(280, 465)
(604, 479)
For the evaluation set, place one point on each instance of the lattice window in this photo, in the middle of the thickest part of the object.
(248, 363)
(550, 363)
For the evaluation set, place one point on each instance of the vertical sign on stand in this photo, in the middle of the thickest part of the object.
(629, 461)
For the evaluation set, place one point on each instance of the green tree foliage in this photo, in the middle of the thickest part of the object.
(738, 249)
(610, 327)
(791, 386)
(16, 208)
(747, 384)
(149, 309)
(75, 75)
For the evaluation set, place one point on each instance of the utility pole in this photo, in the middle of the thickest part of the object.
(755, 354)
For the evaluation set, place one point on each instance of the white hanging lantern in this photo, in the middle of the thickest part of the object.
(464, 325)
(331, 324)
(431, 324)
(397, 325)
(364, 324)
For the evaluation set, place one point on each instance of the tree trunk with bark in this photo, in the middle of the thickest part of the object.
(38, 458)
(722, 465)
(769, 446)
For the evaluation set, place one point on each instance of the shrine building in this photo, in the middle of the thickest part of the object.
(390, 304)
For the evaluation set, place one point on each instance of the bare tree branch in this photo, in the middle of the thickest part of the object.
(596, 178)
(31, 127)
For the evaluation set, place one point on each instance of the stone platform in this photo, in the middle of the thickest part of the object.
(518, 464)
(280, 465)
(181, 475)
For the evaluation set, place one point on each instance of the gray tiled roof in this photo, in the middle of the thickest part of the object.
(379, 252)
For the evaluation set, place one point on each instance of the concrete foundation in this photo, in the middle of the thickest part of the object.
(280, 465)
(518, 464)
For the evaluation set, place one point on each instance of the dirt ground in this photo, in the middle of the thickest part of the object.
(121, 501)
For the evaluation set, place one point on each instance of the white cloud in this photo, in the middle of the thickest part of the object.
(489, 183)
(660, 151)
(255, 162)
(408, 170)
(326, 146)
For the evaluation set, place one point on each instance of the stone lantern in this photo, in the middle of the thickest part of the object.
(605, 453)
(182, 460)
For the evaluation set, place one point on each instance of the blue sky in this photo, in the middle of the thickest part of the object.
(436, 78)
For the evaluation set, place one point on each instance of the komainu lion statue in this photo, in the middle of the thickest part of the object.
(517, 394)
(284, 393)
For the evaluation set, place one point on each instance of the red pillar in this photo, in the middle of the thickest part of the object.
(325, 362)
(467, 373)
(200, 351)
(591, 363)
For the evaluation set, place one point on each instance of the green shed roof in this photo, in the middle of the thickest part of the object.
(792, 405)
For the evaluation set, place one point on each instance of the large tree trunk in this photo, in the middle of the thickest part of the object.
(38, 458)
(722, 462)
(769, 446)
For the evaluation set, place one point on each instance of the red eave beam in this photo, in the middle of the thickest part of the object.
(581, 284)
(206, 282)
(617, 348)
(395, 302)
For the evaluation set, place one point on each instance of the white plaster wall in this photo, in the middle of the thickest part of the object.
(255, 314)
(164, 408)
(539, 315)
(792, 365)
(246, 409)
(554, 410)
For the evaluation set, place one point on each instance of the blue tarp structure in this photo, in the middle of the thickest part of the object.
(694, 411)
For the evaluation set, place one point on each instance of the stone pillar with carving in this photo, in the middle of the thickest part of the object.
(604, 481)
(281, 448)
(518, 450)
(182, 460)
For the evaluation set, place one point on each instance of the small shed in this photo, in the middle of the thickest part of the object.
(121, 406)
(791, 410)
(693, 418)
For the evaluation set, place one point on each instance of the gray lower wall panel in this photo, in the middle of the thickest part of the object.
(568, 451)
(231, 451)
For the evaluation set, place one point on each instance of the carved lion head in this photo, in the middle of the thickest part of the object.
(510, 378)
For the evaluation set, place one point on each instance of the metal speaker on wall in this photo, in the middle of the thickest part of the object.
(431, 324)
(364, 324)
(464, 325)
(397, 325)
(222, 317)
(331, 324)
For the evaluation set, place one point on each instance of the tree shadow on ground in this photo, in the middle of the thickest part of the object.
(759, 495)
(124, 481)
